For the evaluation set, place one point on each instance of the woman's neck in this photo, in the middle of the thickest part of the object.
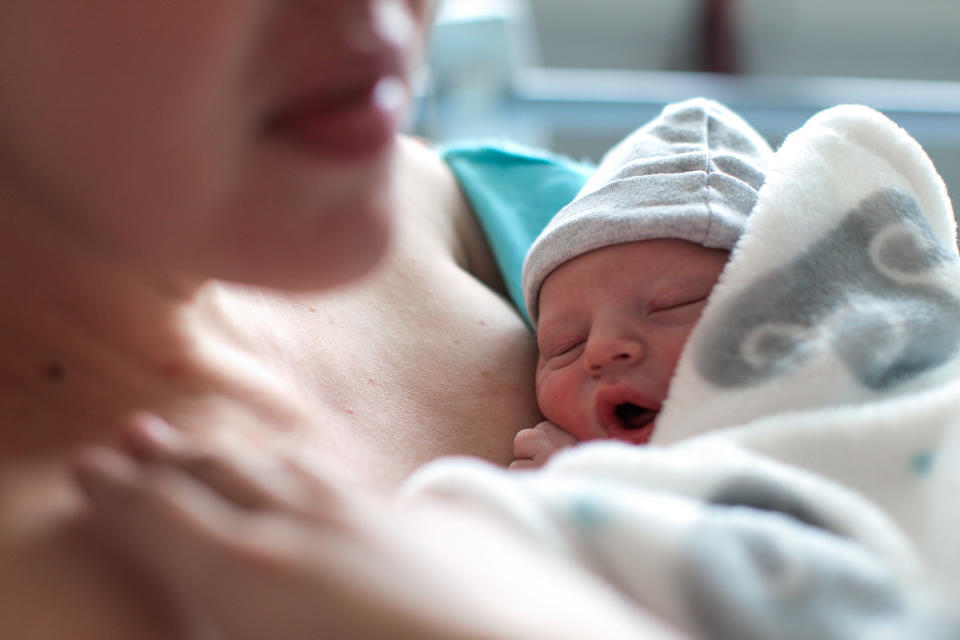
(85, 338)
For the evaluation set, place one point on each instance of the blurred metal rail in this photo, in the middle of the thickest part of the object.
(485, 79)
(604, 100)
(614, 102)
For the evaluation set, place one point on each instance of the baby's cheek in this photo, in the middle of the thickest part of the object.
(546, 394)
(559, 398)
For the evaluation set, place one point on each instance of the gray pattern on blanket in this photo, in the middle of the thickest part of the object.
(764, 494)
(867, 292)
(755, 572)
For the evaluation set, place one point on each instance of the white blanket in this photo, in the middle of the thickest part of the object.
(804, 477)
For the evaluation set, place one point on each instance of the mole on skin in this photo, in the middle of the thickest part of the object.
(54, 372)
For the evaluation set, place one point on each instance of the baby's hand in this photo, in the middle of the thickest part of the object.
(533, 447)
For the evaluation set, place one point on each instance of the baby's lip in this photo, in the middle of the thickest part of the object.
(626, 414)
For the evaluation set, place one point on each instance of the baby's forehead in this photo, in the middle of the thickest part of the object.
(655, 257)
(656, 266)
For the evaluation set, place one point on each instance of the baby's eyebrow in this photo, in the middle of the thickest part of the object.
(554, 326)
(545, 332)
(552, 316)
(683, 287)
(687, 281)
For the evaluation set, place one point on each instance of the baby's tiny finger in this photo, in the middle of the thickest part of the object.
(521, 464)
(526, 443)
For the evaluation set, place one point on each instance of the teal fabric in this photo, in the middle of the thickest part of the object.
(514, 192)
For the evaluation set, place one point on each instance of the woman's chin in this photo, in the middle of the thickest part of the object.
(359, 266)
(338, 261)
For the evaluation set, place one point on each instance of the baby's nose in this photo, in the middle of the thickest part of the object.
(605, 351)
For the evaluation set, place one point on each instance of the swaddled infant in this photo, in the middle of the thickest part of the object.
(618, 279)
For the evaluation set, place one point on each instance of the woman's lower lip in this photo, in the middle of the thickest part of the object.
(350, 130)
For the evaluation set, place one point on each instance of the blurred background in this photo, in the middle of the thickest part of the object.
(575, 76)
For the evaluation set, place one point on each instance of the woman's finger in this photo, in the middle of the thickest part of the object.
(152, 507)
(241, 475)
(236, 569)
(246, 477)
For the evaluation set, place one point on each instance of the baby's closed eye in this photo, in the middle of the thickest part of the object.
(678, 313)
(563, 353)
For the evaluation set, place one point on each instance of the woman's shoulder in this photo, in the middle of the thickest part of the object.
(436, 210)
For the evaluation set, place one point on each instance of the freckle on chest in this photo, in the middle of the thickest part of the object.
(54, 372)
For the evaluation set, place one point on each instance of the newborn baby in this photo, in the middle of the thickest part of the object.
(617, 280)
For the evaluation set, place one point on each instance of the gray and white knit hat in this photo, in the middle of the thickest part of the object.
(692, 173)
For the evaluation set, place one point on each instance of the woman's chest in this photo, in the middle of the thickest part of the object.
(406, 371)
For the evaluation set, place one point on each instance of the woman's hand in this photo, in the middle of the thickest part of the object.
(259, 547)
(533, 447)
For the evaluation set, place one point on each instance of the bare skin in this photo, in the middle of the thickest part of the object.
(372, 380)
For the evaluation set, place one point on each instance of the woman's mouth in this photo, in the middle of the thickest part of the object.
(354, 123)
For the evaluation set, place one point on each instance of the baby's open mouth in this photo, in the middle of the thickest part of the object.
(625, 413)
(632, 416)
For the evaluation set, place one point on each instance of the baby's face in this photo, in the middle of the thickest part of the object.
(612, 325)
